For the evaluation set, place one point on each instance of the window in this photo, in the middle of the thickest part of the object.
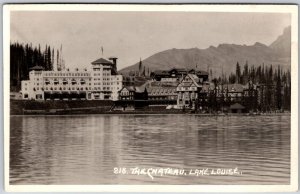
(73, 81)
(47, 82)
(65, 82)
(56, 82)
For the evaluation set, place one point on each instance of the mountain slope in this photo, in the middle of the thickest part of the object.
(225, 57)
(282, 46)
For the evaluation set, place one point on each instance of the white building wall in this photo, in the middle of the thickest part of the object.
(26, 89)
(97, 83)
(116, 86)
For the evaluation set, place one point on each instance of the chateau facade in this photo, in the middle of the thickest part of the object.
(98, 82)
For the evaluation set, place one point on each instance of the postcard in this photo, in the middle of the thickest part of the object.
(150, 98)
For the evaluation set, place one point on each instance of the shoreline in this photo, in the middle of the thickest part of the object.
(22, 107)
(157, 113)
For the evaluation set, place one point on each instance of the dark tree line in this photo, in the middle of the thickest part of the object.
(25, 56)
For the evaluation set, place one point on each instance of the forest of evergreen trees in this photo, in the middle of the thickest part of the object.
(274, 85)
(25, 56)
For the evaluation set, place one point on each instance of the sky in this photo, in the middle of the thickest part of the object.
(134, 35)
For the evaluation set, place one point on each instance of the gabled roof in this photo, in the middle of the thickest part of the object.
(130, 88)
(237, 106)
(102, 61)
(161, 89)
(234, 87)
(137, 89)
(37, 68)
(194, 79)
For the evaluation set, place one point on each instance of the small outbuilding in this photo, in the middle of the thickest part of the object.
(237, 108)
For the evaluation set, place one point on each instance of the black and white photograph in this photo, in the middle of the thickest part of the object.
(150, 97)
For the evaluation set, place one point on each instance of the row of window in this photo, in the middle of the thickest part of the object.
(192, 95)
(125, 93)
(166, 91)
(65, 83)
(106, 83)
(106, 79)
(162, 98)
(101, 74)
(187, 88)
(66, 74)
(73, 88)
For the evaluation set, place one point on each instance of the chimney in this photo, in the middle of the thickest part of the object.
(114, 61)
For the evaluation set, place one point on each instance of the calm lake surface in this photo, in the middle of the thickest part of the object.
(86, 149)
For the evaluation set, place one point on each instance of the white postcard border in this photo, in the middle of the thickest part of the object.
(292, 9)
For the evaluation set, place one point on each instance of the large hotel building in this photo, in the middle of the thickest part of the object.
(98, 82)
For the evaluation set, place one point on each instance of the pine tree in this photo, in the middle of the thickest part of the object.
(245, 74)
(58, 66)
(278, 89)
(52, 59)
(144, 72)
(50, 65)
(238, 73)
(140, 67)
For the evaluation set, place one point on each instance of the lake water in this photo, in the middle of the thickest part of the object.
(86, 149)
